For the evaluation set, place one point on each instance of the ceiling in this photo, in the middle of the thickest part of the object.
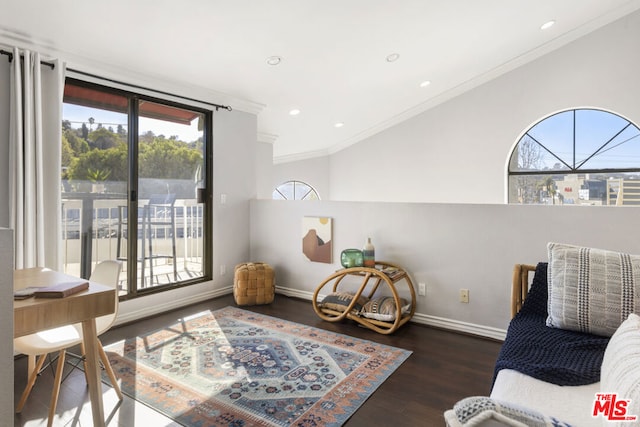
(334, 53)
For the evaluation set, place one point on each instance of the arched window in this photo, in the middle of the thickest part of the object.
(581, 156)
(295, 190)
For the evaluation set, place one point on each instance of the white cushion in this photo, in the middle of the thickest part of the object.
(591, 290)
(620, 372)
(572, 404)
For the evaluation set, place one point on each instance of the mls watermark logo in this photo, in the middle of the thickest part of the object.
(611, 408)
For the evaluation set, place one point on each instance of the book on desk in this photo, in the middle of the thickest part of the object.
(62, 290)
(59, 290)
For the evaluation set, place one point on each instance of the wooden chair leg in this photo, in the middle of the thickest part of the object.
(56, 388)
(107, 367)
(33, 375)
(31, 364)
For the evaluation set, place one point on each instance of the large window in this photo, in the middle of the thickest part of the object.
(580, 157)
(134, 174)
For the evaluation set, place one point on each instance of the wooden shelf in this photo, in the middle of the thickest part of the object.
(377, 277)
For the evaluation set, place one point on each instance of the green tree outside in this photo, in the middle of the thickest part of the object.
(104, 153)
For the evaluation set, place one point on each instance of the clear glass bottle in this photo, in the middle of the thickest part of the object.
(368, 253)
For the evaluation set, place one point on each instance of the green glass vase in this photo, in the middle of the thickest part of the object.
(351, 258)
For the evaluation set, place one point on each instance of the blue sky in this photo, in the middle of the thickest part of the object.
(593, 128)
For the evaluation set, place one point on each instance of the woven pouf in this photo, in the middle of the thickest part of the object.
(253, 283)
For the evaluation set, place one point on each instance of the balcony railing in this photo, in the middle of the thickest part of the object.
(106, 235)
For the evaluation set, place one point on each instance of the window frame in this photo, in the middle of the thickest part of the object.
(134, 97)
(572, 169)
(296, 183)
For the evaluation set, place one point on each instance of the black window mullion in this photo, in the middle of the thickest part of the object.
(574, 141)
(132, 208)
(208, 201)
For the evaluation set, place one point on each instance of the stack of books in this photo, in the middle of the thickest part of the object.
(392, 272)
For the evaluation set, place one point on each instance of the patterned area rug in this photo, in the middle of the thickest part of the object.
(235, 368)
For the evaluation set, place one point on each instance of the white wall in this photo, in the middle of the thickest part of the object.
(6, 320)
(457, 152)
(264, 169)
(446, 246)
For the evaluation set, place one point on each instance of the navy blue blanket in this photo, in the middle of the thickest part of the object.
(553, 355)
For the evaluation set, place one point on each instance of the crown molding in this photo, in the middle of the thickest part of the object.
(268, 138)
(295, 157)
(126, 76)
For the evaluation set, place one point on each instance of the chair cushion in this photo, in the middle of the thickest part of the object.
(591, 290)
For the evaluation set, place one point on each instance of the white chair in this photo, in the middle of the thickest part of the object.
(60, 339)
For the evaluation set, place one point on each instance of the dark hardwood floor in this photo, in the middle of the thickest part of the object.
(443, 368)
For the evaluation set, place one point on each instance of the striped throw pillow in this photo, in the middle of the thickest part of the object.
(591, 290)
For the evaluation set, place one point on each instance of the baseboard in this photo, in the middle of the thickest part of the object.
(425, 319)
(296, 293)
(458, 326)
(437, 322)
(154, 309)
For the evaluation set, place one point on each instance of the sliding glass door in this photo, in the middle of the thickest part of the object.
(170, 170)
(133, 185)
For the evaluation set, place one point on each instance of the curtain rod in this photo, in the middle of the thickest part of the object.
(52, 66)
(216, 106)
(10, 55)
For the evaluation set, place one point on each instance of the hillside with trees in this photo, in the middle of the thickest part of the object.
(101, 154)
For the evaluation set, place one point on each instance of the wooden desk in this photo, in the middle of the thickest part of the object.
(37, 314)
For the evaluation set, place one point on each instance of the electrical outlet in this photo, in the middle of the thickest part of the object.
(464, 296)
(422, 289)
(223, 270)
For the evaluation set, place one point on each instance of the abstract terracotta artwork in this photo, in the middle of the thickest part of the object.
(316, 238)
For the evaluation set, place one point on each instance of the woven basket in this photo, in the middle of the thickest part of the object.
(253, 283)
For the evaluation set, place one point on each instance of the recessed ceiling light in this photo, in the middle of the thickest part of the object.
(547, 25)
(274, 60)
(393, 57)
(339, 124)
(294, 112)
(425, 83)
